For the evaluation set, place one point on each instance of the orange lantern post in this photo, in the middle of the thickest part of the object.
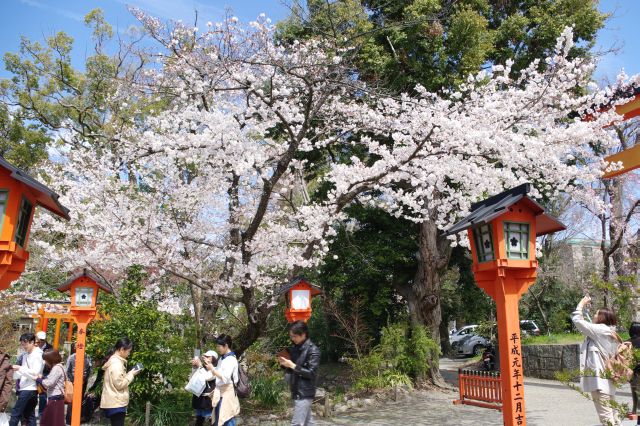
(19, 195)
(299, 294)
(502, 231)
(84, 289)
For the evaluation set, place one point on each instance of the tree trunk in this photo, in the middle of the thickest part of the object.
(617, 225)
(606, 260)
(210, 306)
(196, 299)
(445, 345)
(543, 314)
(424, 292)
(257, 317)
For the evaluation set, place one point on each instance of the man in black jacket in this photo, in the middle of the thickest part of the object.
(301, 372)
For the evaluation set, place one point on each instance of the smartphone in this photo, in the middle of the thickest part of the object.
(284, 354)
(138, 367)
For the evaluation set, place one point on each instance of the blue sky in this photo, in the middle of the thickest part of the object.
(38, 18)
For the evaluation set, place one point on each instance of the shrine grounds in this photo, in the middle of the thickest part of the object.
(549, 403)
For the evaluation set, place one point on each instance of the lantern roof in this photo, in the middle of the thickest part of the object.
(626, 91)
(45, 197)
(485, 211)
(315, 290)
(85, 273)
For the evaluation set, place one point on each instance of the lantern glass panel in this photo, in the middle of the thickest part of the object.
(24, 215)
(484, 243)
(300, 299)
(4, 197)
(84, 296)
(516, 236)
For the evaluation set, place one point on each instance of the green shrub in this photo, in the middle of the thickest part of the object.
(387, 379)
(268, 388)
(159, 340)
(402, 355)
(268, 392)
(423, 349)
(556, 338)
(172, 408)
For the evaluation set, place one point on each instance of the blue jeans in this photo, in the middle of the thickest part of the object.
(230, 422)
(201, 412)
(42, 402)
(25, 408)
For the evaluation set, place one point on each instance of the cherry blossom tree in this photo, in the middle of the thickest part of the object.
(235, 187)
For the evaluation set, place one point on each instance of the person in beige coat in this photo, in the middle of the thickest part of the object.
(115, 387)
(600, 344)
(224, 398)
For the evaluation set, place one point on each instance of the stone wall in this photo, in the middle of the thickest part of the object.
(543, 361)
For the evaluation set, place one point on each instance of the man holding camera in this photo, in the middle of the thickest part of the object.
(301, 371)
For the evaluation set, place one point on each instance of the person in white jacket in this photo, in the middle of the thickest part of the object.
(600, 343)
(224, 398)
(31, 367)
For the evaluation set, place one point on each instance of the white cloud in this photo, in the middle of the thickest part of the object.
(177, 9)
(63, 12)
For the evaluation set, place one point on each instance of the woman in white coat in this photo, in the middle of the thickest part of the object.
(600, 343)
(224, 399)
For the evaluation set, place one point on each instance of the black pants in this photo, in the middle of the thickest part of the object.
(25, 408)
(118, 419)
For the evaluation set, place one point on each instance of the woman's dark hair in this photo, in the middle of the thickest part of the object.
(634, 329)
(224, 340)
(28, 337)
(123, 343)
(52, 357)
(299, 328)
(606, 316)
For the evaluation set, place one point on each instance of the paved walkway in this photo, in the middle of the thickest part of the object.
(549, 403)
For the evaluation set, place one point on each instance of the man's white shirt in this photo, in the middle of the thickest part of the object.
(31, 368)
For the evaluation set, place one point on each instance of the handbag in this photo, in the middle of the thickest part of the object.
(68, 388)
(197, 382)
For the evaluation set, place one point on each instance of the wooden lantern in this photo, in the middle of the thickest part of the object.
(84, 288)
(19, 195)
(502, 231)
(299, 294)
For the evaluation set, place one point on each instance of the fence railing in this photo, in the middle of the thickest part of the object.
(480, 388)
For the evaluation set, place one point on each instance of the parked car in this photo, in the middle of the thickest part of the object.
(529, 328)
(469, 344)
(462, 333)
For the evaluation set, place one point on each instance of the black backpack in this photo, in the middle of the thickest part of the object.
(242, 386)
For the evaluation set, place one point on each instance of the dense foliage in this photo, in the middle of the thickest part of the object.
(161, 341)
(401, 357)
